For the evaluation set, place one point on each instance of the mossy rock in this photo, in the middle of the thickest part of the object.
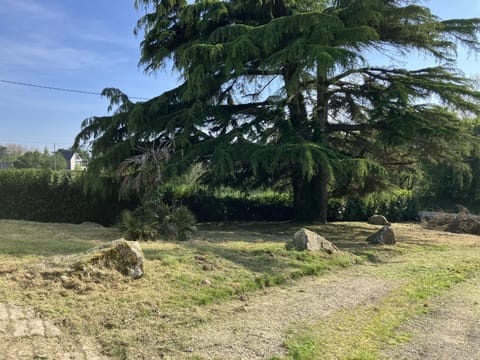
(124, 256)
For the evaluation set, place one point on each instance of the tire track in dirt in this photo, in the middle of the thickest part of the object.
(256, 328)
(450, 330)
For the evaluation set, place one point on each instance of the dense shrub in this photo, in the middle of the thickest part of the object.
(54, 197)
(398, 205)
(154, 217)
(271, 206)
(229, 205)
(59, 197)
(138, 225)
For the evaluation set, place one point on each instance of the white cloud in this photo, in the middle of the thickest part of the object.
(29, 7)
(39, 53)
(48, 19)
(37, 36)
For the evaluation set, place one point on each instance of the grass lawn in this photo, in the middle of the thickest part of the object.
(146, 317)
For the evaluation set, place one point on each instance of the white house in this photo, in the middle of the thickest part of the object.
(74, 160)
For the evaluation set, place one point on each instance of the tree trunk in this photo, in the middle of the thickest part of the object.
(323, 197)
(310, 197)
(322, 137)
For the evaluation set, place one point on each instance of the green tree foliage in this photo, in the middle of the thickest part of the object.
(4, 161)
(38, 160)
(446, 185)
(18, 157)
(9, 153)
(282, 91)
(56, 162)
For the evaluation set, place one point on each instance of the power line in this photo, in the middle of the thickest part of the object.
(61, 89)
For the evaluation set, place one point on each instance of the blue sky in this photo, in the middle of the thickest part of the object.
(89, 45)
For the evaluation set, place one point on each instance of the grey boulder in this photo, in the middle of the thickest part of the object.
(378, 220)
(308, 240)
(383, 236)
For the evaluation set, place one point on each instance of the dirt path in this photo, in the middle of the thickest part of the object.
(24, 335)
(256, 328)
(451, 330)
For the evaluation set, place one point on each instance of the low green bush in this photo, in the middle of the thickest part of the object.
(137, 225)
(153, 217)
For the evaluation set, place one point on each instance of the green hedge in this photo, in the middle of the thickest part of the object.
(399, 205)
(228, 205)
(53, 197)
(270, 206)
(59, 197)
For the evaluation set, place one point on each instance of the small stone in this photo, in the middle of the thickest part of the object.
(206, 282)
(243, 298)
(207, 267)
(378, 220)
(200, 258)
(29, 276)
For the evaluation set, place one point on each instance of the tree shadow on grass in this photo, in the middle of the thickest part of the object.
(201, 252)
(258, 247)
(45, 248)
(248, 232)
(349, 237)
(24, 238)
(256, 261)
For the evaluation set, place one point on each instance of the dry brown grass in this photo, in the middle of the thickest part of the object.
(148, 318)
(122, 313)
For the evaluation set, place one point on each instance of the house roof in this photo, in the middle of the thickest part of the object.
(67, 154)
